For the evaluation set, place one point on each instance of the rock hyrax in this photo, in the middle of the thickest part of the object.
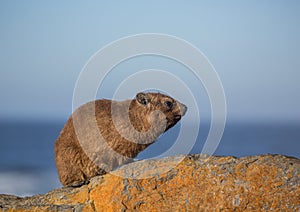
(104, 134)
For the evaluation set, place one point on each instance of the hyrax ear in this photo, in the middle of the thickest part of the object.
(143, 98)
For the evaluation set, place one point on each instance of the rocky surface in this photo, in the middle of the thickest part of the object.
(195, 183)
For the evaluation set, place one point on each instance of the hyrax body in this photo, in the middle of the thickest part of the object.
(104, 134)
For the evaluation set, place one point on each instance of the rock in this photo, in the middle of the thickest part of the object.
(197, 183)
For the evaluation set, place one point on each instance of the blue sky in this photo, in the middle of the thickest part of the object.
(253, 45)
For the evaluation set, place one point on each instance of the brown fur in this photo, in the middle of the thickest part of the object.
(102, 141)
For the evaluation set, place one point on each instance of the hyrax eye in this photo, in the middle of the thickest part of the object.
(169, 104)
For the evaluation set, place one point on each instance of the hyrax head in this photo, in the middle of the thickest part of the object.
(160, 109)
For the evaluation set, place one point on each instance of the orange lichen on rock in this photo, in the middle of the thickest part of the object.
(197, 183)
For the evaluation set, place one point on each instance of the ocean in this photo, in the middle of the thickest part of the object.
(27, 165)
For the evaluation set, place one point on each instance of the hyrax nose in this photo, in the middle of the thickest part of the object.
(182, 108)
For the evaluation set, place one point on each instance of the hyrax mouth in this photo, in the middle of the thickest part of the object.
(177, 117)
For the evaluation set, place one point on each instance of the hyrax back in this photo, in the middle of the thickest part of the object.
(104, 134)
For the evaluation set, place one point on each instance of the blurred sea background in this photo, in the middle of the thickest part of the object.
(27, 165)
(253, 45)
